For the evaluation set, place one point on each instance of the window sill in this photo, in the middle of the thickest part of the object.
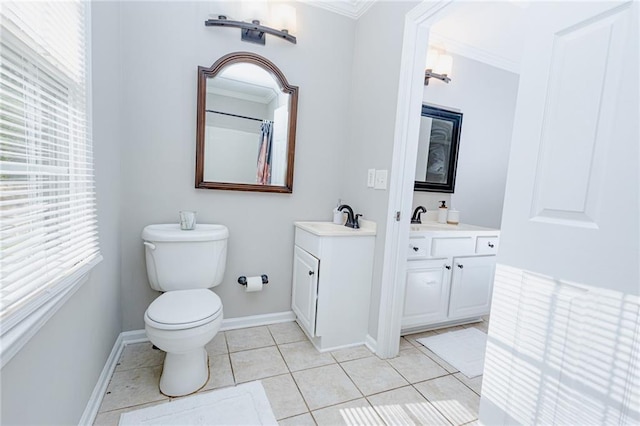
(15, 334)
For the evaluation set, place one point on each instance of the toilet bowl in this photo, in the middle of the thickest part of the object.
(187, 316)
(181, 323)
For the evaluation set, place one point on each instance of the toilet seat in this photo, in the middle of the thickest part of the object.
(183, 309)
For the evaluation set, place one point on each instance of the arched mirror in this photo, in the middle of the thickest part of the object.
(246, 127)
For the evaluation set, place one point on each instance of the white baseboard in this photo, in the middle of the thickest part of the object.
(371, 343)
(257, 320)
(138, 336)
(91, 410)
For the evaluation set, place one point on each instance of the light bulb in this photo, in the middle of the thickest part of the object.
(444, 65)
(255, 10)
(432, 59)
(283, 17)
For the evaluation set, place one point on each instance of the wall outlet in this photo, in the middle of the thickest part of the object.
(371, 178)
(381, 179)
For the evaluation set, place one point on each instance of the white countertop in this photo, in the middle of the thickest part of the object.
(436, 226)
(330, 229)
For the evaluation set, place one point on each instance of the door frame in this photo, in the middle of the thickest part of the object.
(417, 24)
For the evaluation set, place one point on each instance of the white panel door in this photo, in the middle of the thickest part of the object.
(564, 339)
(305, 289)
(571, 204)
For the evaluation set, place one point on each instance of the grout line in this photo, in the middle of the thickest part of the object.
(469, 387)
(431, 403)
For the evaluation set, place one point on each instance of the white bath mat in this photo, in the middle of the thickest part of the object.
(464, 349)
(245, 404)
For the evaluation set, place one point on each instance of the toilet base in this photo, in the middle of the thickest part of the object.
(184, 373)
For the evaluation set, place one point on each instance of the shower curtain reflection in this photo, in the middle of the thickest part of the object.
(263, 175)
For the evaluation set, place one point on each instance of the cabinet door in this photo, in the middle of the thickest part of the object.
(305, 288)
(471, 286)
(425, 298)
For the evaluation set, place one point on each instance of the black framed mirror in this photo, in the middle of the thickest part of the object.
(246, 125)
(438, 144)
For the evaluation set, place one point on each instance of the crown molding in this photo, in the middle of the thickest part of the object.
(353, 9)
(472, 52)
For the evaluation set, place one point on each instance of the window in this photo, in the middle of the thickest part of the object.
(48, 230)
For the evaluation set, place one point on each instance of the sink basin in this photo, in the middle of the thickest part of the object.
(330, 229)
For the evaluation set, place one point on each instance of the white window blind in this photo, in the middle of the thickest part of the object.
(48, 225)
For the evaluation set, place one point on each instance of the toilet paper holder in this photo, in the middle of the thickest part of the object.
(243, 280)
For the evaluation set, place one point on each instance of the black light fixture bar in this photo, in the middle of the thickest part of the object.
(252, 32)
(430, 74)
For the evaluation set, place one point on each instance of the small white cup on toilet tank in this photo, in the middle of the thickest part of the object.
(187, 220)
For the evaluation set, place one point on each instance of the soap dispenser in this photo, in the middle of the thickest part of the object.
(338, 216)
(442, 212)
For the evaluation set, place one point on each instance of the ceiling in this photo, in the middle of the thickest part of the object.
(487, 31)
(490, 32)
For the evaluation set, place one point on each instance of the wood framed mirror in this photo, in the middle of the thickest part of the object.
(438, 150)
(246, 125)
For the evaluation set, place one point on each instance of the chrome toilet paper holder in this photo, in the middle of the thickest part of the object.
(242, 280)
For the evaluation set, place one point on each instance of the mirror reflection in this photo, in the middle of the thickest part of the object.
(437, 150)
(247, 134)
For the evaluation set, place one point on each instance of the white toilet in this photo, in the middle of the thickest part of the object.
(187, 316)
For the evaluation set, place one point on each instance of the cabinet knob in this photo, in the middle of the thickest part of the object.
(490, 244)
(447, 266)
(460, 266)
(415, 248)
(311, 273)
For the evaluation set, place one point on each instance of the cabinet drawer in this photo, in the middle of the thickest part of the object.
(417, 248)
(308, 242)
(451, 246)
(487, 245)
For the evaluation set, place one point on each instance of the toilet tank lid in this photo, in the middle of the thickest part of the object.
(172, 232)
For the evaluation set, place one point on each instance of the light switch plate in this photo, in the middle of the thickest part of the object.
(381, 179)
(371, 178)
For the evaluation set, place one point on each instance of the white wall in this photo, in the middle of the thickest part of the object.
(50, 380)
(162, 45)
(374, 86)
(486, 96)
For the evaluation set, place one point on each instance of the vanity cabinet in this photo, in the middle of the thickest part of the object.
(449, 275)
(471, 286)
(426, 293)
(305, 287)
(331, 289)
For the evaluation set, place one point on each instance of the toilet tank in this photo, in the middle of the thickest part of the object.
(183, 260)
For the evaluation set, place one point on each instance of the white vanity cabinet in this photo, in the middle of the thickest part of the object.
(332, 272)
(450, 272)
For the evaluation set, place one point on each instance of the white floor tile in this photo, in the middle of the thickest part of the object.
(284, 396)
(325, 386)
(248, 338)
(406, 406)
(358, 412)
(287, 332)
(140, 355)
(133, 387)
(373, 375)
(303, 355)
(257, 364)
(454, 400)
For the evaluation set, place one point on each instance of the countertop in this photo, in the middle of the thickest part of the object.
(429, 226)
(330, 229)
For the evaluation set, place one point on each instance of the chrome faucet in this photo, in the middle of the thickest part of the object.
(352, 221)
(416, 214)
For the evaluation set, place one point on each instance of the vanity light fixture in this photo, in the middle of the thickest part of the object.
(254, 31)
(438, 66)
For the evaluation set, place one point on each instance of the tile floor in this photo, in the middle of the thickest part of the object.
(305, 387)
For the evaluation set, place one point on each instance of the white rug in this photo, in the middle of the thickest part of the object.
(245, 404)
(463, 349)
